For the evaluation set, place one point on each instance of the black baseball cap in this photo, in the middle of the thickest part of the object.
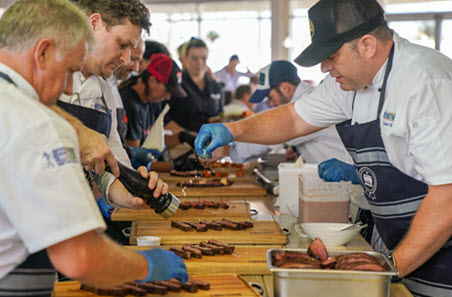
(166, 71)
(325, 40)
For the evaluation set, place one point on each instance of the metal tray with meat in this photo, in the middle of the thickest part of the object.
(318, 272)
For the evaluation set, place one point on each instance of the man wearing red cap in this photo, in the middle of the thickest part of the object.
(142, 95)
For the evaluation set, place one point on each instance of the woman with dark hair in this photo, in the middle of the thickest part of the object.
(205, 98)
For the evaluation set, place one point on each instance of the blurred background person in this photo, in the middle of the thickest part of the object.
(205, 98)
(142, 95)
(229, 77)
(240, 106)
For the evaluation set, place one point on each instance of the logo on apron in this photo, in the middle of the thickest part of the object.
(369, 181)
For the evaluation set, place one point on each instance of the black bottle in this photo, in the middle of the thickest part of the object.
(165, 205)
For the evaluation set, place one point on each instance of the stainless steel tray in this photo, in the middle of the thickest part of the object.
(330, 283)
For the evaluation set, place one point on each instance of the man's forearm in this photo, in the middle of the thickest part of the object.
(430, 229)
(271, 127)
(93, 259)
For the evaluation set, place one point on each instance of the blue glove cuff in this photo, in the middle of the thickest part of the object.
(104, 207)
(150, 268)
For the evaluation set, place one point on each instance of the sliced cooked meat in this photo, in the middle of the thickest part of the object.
(185, 205)
(318, 250)
(195, 252)
(199, 283)
(182, 226)
(181, 253)
(300, 266)
(229, 248)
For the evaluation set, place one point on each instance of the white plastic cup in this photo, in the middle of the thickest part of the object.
(148, 240)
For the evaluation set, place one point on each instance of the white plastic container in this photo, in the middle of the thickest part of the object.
(288, 185)
(322, 202)
(148, 240)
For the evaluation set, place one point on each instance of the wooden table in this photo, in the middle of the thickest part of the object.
(236, 189)
(220, 285)
(263, 232)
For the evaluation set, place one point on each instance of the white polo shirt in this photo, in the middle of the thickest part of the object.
(416, 116)
(44, 196)
(88, 93)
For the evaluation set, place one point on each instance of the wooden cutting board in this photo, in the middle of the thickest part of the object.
(246, 260)
(236, 189)
(224, 285)
(167, 177)
(263, 232)
(239, 211)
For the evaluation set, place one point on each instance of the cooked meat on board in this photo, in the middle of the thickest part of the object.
(205, 183)
(210, 248)
(202, 204)
(160, 288)
(203, 225)
(317, 258)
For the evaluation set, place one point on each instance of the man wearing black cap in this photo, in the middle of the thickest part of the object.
(391, 100)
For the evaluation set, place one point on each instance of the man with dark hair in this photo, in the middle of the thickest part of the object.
(159, 81)
(394, 115)
(279, 81)
(205, 98)
(117, 27)
(152, 47)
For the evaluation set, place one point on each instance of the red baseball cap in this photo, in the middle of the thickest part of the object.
(166, 71)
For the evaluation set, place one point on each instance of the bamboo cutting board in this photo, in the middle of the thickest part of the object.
(236, 189)
(239, 211)
(263, 232)
(167, 177)
(224, 285)
(246, 260)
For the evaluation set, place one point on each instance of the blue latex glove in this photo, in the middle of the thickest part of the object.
(334, 170)
(164, 265)
(105, 208)
(142, 156)
(210, 137)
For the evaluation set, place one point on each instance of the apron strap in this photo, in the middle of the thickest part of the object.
(385, 80)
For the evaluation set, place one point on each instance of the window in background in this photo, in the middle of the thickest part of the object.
(244, 33)
(446, 38)
(300, 35)
(418, 32)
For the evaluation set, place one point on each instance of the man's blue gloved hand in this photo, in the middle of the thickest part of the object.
(210, 137)
(334, 170)
(164, 265)
(142, 156)
(105, 208)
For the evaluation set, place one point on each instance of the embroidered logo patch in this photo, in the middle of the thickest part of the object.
(388, 118)
(369, 181)
(311, 28)
(98, 106)
(60, 157)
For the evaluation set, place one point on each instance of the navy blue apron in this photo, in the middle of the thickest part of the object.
(35, 276)
(394, 198)
(91, 118)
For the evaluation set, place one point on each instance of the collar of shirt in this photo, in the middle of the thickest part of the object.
(21, 82)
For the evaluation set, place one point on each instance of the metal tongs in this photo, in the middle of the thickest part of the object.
(270, 186)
